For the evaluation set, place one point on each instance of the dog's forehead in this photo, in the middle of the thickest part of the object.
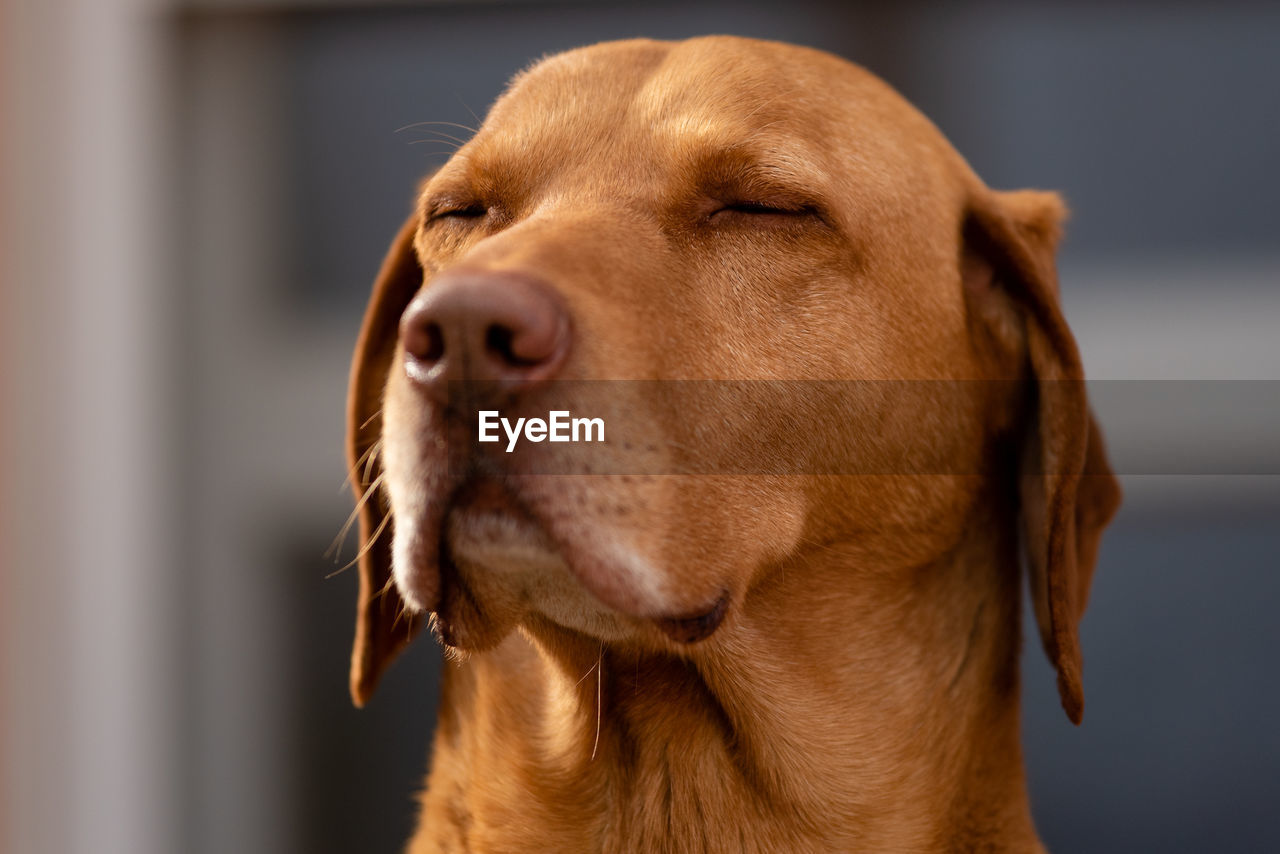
(722, 85)
(640, 118)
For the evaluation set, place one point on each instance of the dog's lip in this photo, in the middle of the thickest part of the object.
(485, 508)
(487, 495)
(700, 626)
(482, 507)
(490, 511)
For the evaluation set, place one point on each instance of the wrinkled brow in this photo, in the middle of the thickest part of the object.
(479, 175)
(717, 165)
(751, 170)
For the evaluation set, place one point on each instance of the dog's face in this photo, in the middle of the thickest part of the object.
(631, 220)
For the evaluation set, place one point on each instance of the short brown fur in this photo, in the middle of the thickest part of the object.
(862, 692)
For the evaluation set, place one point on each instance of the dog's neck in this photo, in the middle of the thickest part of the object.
(882, 718)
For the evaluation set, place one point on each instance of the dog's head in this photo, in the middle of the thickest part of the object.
(672, 224)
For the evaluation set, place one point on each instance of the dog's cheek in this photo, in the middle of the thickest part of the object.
(761, 519)
(726, 530)
(628, 577)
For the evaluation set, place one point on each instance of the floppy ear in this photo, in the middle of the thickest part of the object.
(381, 630)
(1067, 490)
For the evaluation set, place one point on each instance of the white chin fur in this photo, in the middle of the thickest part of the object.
(520, 558)
(502, 544)
(409, 581)
(645, 581)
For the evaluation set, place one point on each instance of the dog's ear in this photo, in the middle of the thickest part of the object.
(382, 629)
(1067, 491)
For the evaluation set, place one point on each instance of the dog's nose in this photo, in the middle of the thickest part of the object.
(508, 329)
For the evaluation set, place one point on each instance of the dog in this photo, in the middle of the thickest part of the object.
(769, 620)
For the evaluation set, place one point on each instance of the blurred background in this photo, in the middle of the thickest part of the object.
(195, 198)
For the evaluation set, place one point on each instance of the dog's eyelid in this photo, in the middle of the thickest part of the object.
(454, 208)
(748, 209)
(748, 206)
(751, 192)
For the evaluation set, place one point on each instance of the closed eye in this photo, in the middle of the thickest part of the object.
(474, 211)
(761, 214)
(762, 208)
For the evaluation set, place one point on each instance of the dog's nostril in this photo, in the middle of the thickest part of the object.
(500, 340)
(432, 349)
(423, 340)
(497, 339)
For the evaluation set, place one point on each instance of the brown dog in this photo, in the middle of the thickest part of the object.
(690, 645)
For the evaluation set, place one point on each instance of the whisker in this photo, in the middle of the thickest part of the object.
(404, 614)
(369, 451)
(468, 109)
(449, 147)
(439, 134)
(386, 588)
(446, 124)
(364, 550)
(372, 539)
(355, 512)
(599, 699)
(369, 454)
(590, 670)
(370, 458)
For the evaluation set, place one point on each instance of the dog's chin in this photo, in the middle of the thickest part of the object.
(487, 564)
(503, 541)
(493, 566)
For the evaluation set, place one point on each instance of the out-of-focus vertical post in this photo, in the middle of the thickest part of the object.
(90, 710)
